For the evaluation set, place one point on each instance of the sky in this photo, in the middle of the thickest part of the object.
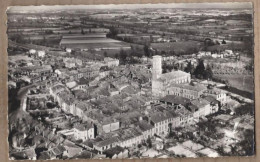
(233, 5)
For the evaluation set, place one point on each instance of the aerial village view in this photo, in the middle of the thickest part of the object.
(130, 81)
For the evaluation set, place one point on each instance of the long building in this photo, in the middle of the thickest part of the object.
(161, 81)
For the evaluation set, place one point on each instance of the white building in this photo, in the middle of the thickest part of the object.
(41, 53)
(111, 62)
(32, 51)
(80, 131)
(68, 50)
(161, 81)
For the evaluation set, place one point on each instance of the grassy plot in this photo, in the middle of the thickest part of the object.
(241, 82)
(229, 46)
(177, 47)
(97, 45)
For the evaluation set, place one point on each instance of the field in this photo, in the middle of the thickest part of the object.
(177, 47)
(94, 43)
(240, 22)
(112, 52)
(236, 45)
(108, 45)
(241, 82)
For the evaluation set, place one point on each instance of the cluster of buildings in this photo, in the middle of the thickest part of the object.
(117, 112)
(179, 83)
(97, 108)
(111, 105)
(223, 54)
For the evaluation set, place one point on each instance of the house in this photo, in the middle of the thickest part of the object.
(83, 131)
(89, 72)
(130, 137)
(146, 128)
(80, 108)
(32, 51)
(69, 63)
(109, 125)
(200, 107)
(161, 122)
(214, 104)
(218, 94)
(41, 54)
(85, 155)
(25, 154)
(176, 101)
(111, 62)
(68, 50)
(106, 144)
(71, 149)
(71, 85)
(104, 71)
(117, 153)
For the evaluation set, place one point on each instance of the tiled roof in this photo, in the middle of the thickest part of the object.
(174, 75)
(200, 102)
(175, 99)
(144, 126)
(107, 142)
(197, 87)
(158, 117)
(211, 99)
(113, 151)
(83, 126)
(44, 155)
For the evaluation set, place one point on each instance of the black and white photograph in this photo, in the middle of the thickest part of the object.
(120, 81)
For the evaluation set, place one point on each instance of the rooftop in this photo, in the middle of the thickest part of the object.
(197, 87)
(175, 100)
(200, 102)
(173, 75)
(144, 126)
(107, 142)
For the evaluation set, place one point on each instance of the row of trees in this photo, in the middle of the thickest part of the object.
(200, 71)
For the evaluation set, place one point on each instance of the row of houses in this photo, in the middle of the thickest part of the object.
(169, 114)
(83, 109)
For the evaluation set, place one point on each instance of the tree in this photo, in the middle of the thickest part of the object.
(188, 68)
(122, 56)
(170, 130)
(248, 44)
(149, 141)
(82, 31)
(105, 54)
(112, 32)
(247, 144)
(200, 70)
(250, 66)
(146, 51)
(208, 72)
(163, 34)
(151, 38)
(116, 56)
(48, 32)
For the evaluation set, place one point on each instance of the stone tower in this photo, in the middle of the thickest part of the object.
(157, 67)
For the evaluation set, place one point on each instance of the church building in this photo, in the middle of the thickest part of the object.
(161, 82)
